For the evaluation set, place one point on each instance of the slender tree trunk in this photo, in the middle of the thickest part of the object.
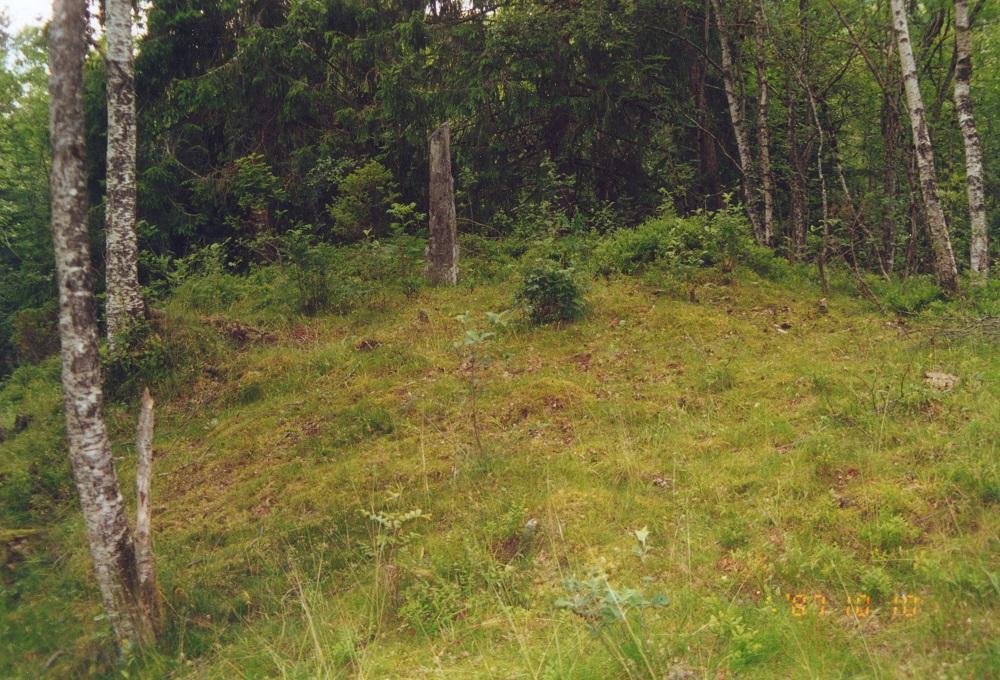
(824, 198)
(736, 107)
(979, 246)
(763, 128)
(148, 591)
(707, 142)
(800, 71)
(797, 162)
(890, 181)
(857, 219)
(944, 258)
(124, 302)
(708, 159)
(442, 245)
(110, 538)
(796, 182)
(915, 212)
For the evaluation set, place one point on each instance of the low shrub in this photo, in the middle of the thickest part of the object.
(682, 243)
(205, 281)
(325, 277)
(550, 294)
(628, 250)
(888, 533)
(309, 273)
(140, 358)
(364, 199)
(908, 296)
(485, 260)
(984, 300)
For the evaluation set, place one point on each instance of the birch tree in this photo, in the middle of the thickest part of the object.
(124, 302)
(764, 127)
(944, 258)
(979, 247)
(797, 155)
(109, 535)
(733, 99)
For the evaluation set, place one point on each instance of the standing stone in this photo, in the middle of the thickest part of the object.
(442, 246)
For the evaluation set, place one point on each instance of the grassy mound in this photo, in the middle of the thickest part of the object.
(746, 484)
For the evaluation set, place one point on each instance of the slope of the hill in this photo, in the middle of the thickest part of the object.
(808, 503)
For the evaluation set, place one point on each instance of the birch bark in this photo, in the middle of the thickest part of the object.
(764, 128)
(733, 99)
(979, 246)
(944, 258)
(124, 302)
(108, 533)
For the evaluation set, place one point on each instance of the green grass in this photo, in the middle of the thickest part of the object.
(771, 450)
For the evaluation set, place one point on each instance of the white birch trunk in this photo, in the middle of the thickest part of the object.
(824, 200)
(944, 258)
(979, 246)
(764, 129)
(739, 129)
(108, 532)
(124, 301)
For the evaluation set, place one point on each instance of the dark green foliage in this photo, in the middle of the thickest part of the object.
(256, 195)
(569, 251)
(556, 109)
(27, 279)
(701, 239)
(363, 202)
(309, 272)
(550, 294)
(328, 278)
(34, 473)
(36, 332)
(984, 301)
(140, 359)
(908, 296)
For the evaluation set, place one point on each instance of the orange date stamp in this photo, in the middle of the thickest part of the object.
(859, 606)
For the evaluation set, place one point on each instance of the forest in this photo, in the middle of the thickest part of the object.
(577, 339)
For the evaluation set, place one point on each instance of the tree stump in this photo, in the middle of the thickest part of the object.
(442, 246)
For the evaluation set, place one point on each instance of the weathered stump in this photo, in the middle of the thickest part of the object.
(442, 246)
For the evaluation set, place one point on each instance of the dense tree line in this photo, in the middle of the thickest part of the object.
(256, 117)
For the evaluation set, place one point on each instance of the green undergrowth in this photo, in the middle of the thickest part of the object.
(719, 477)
